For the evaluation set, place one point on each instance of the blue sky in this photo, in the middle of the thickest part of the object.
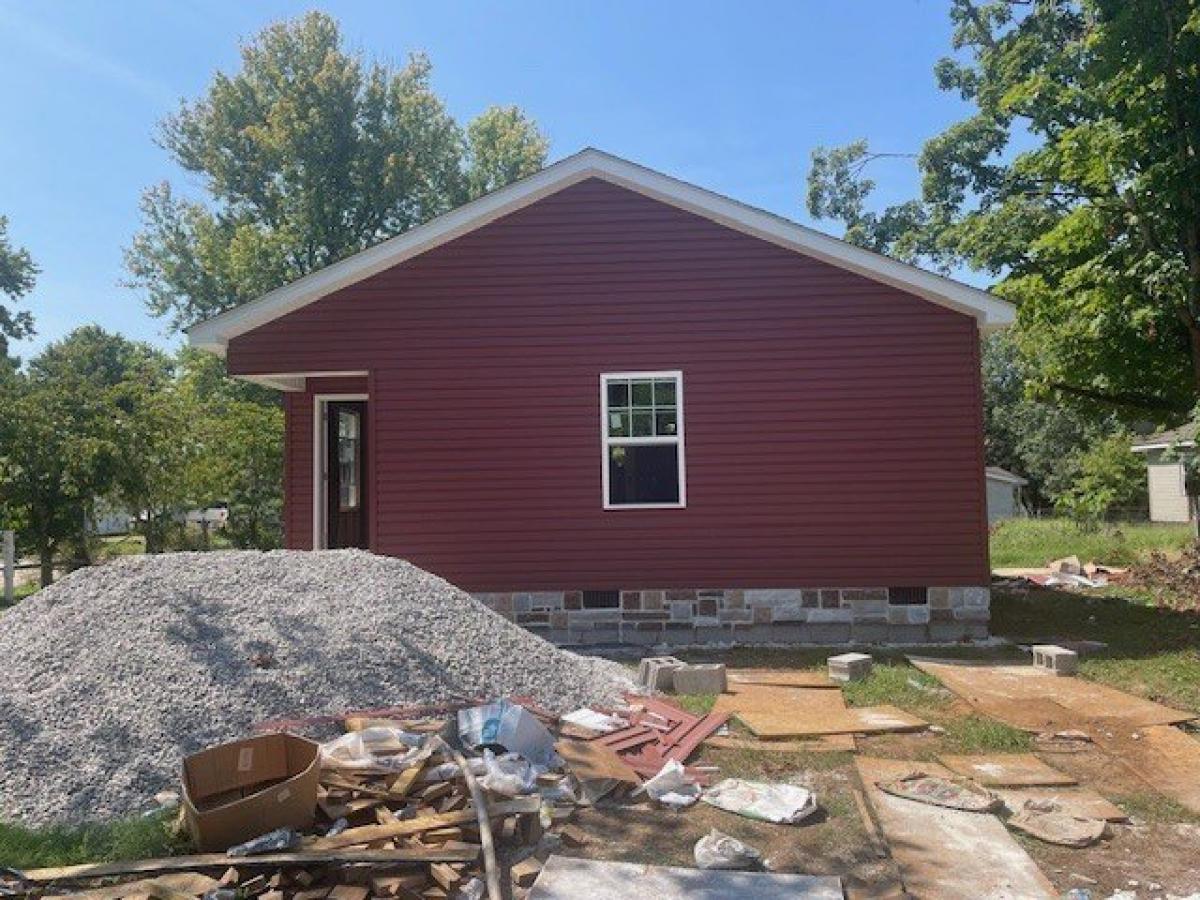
(732, 96)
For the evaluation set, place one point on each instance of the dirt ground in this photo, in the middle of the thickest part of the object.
(1153, 855)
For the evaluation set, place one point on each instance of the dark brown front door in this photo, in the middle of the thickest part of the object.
(346, 456)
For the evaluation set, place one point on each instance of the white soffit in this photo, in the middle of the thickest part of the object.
(214, 334)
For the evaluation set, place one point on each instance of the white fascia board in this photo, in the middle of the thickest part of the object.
(1146, 448)
(214, 334)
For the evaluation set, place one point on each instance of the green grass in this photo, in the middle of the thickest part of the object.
(1152, 651)
(979, 734)
(137, 838)
(1027, 543)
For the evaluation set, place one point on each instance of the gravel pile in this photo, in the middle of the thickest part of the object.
(111, 676)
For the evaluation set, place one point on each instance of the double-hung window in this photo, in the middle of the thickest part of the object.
(642, 428)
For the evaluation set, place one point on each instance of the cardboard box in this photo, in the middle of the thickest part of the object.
(237, 791)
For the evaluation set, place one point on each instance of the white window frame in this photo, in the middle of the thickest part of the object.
(320, 460)
(677, 439)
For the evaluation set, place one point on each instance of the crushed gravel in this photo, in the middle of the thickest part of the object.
(109, 677)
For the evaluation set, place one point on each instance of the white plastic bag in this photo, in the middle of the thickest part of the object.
(379, 747)
(594, 721)
(510, 726)
(671, 786)
(509, 774)
(781, 803)
(717, 850)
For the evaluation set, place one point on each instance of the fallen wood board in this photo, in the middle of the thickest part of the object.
(1165, 757)
(1077, 801)
(365, 834)
(187, 884)
(222, 861)
(947, 853)
(1007, 770)
(590, 761)
(1034, 699)
(565, 878)
(772, 712)
(802, 679)
(826, 743)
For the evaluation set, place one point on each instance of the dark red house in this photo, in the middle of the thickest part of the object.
(616, 406)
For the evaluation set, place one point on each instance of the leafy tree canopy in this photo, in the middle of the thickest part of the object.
(17, 276)
(308, 154)
(1075, 181)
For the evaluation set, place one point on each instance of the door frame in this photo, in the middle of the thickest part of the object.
(320, 456)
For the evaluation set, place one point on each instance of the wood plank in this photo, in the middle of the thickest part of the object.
(1006, 770)
(365, 834)
(1165, 757)
(267, 860)
(1035, 700)
(825, 743)
(948, 853)
(804, 678)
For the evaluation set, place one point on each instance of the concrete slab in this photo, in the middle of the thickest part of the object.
(564, 878)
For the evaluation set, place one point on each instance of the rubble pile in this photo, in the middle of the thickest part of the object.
(115, 673)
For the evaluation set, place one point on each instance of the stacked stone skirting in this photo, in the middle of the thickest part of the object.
(733, 615)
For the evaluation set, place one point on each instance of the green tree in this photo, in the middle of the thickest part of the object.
(59, 442)
(308, 154)
(1111, 478)
(241, 463)
(17, 276)
(1075, 182)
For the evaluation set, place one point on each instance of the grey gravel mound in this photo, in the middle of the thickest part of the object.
(112, 675)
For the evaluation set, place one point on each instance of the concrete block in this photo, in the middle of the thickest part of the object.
(908, 634)
(658, 672)
(869, 632)
(708, 678)
(828, 632)
(1058, 660)
(849, 666)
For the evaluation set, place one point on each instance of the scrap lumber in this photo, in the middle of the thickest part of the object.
(825, 743)
(874, 836)
(491, 869)
(803, 679)
(365, 834)
(948, 853)
(1006, 770)
(1083, 802)
(398, 856)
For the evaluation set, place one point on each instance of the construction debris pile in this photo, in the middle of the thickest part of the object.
(1176, 577)
(467, 806)
(115, 673)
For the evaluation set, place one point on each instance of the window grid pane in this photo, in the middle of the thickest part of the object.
(642, 473)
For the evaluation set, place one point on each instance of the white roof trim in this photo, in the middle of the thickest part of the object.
(995, 473)
(214, 334)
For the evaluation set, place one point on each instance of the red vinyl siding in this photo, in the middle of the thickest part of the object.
(833, 424)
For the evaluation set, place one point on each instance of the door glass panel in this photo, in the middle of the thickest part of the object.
(348, 460)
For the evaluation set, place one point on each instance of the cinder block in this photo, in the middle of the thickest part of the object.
(849, 666)
(706, 678)
(1058, 660)
(658, 672)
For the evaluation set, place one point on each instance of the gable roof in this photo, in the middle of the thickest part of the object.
(1183, 436)
(995, 473)
(214, 334)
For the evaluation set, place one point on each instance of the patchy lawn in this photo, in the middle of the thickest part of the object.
(142, 837)
(1028, 543)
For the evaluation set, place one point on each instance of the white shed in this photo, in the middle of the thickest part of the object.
(1168, 496)
(1003, 494)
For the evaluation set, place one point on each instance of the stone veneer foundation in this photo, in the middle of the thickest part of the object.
(751, 616)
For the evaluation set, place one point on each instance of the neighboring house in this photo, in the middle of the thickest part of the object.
(616, 406)
(1168, 496)
(1003, 494)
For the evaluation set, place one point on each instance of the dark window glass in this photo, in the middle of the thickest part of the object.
(643, 423)
(906, 596)
(618, 394)
(643, 393)
(664, 423)
(643, 473)
(664, 392)
(601, 599)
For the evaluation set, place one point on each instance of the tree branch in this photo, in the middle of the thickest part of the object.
(1119, 398)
